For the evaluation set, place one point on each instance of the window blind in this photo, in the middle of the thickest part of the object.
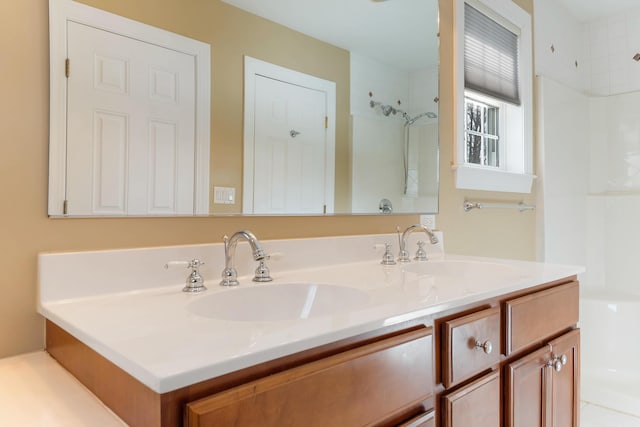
(490, 57)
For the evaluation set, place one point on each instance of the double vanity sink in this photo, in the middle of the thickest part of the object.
(126, 308)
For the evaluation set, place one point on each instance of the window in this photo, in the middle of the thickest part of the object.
(482, 136)
(494, 113)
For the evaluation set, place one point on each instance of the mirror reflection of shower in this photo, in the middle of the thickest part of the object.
(388, 110)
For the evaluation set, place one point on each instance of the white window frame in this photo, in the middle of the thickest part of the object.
(62, 11)
(516, 171)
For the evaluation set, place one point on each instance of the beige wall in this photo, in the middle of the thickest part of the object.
(26, 230)
(502, 233)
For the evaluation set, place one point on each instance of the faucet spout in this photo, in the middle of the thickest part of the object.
(230, 274)
(404, 254)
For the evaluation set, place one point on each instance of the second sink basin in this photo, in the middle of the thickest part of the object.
(274, 302)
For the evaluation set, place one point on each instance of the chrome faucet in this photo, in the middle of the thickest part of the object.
(403, 256)
(230, 274)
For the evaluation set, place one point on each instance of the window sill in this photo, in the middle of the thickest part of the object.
(478, 178)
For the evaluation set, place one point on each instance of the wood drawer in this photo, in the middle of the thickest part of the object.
(477, 404)
(532, 318)
(361, 386)
(422, 420)
(462, 354)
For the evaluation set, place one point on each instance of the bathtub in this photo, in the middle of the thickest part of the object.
(610, 350)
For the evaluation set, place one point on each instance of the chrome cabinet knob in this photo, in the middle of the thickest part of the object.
(486, 346)
(557, 362)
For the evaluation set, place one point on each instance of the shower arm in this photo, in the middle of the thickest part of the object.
(388, 110)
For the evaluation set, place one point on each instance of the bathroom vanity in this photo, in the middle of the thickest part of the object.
(454, 341)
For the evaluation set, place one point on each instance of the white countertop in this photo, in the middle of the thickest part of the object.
(157, 335)
(36, 391)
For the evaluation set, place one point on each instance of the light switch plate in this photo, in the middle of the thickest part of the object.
(224, 195)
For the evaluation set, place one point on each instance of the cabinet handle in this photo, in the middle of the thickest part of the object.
(557, 362)
(486, 346)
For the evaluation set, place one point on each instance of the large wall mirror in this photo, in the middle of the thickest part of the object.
(314, 107)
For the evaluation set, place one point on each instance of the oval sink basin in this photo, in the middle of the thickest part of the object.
(287, 301)
(462, 269)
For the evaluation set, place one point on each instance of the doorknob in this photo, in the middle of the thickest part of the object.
(294, 133)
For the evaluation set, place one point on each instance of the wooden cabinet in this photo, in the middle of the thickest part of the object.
(367, 385)
(565, 383)
(542, 387)
(526, 390)
(477, 404)
(512, 360)
(538, 370)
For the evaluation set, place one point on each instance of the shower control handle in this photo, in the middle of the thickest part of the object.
(557, 362)
(294, 133)
(486, 346)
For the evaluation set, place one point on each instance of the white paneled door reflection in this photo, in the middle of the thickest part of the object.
(131, 126)
(290, 148)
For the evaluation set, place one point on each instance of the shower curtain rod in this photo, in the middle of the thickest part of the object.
(469, 205)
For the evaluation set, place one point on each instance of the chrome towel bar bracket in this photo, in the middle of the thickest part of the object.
(468, 205)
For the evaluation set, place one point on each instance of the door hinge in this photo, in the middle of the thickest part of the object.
(65, 207)
(326, 122)
(66, 67)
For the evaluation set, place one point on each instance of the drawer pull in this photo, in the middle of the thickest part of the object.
(557, 362)
(486, 346)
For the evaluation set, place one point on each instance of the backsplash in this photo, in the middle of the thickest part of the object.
(67, 275)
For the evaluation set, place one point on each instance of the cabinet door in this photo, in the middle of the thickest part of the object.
(477, 404)
(566, 381)
(527, 396)
(362, 386)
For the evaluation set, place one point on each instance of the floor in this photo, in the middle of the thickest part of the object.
(597, 416)
(35, 391)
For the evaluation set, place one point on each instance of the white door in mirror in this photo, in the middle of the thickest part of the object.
(290, 148)
(131, 126)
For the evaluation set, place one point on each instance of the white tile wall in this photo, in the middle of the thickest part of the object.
(377, 141)
(589, 160)
(612, 44)
(554, 26)
(604, 49)
(563, 163)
